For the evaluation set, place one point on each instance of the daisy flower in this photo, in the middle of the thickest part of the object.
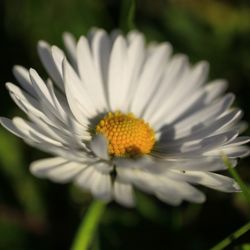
(119, 114)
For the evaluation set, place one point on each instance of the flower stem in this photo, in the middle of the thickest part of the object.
(89, 224)
(227, 241)
(127, 15)
(235, 175)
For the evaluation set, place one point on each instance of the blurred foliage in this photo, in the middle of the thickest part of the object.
(37, 214)
(245, 247)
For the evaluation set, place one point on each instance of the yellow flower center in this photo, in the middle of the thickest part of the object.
(126, 134)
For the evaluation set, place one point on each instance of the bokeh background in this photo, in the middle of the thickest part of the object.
(38, 214)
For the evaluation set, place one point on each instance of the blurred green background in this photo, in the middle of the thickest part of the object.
(38, 214)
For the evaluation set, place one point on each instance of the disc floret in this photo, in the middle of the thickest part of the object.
(127, 135)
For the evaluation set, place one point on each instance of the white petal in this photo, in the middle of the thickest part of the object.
(101, 46)
(25, 102)
(192, 194)
(176, 69)
(171, 112)
(144, 163)
(215, 181)
(231, 152)
(86, 177)
(197, 146)
(77, 97)
(144, 181)
(61, 113)
(90, 74)
(123, 194)
(169, 197)
(57, 105)
(103, 167)
(169, 190)
(117, 70)
(198, 74)
(114, 34)
(99, 146)
(183, 189)
(70, 44)
(187, 86)
(215, 89)
(32, 132)
(238, 141)
(149, 79)
(57, 169)
(40, 87)
(101, 186)
(91, 33)
(195, 102)
(190, 103)
(8, 124)
(40, 168)
(63, 151)
(135, 60)
(56, 133)
(22, 75)
(185, 192)
(184, 126)
(42, 109)
(49, 63)
(65, 173)
(202, 164)
(203, 130)
(58, 56)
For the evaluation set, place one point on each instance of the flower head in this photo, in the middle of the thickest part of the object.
(124, 114)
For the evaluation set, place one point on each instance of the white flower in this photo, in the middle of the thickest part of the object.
(126, 115)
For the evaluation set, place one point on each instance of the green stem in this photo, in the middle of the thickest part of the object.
(227, 241)
(89, 224)
(235, 175)
(127, 15)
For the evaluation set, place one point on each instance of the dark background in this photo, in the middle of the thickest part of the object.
(38, 214)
